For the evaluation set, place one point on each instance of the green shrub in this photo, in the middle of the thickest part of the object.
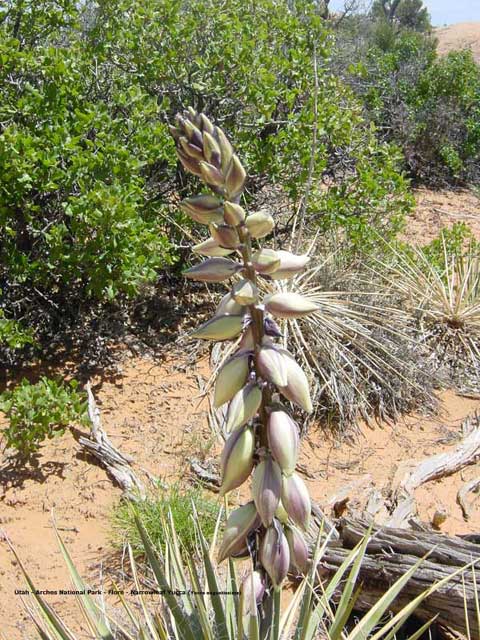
(154, 513)
(38, 411)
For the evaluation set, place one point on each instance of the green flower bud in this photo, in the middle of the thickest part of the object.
(233, 213)
(221, 327)
(287, 304)
(235, 178)
(243, 407)
(231, 378)
(239, 524)
(237, 459)
(260, 224)
(213, 270)
(266, 489)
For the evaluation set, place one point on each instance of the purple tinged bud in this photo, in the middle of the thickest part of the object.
(237, 459)
(260, 224)
(229, 306)
(296, 500)
(298, 549)
(235, 178)
(225, 235)
(290, 265)
(253, 589)
(189, 163)
(271, 328)
(239, 524)
(243, 406)
(211, 249)
(190, 149)
(226, 150)
(245, 292)
(211, 149)
(231, 378)
(247, 342)
(211, 174)
(283, 440)
(213, 270)
(275, 554)
(266, 489)
(271, 366)
(265, 261)
(233, 213)
(206, 124)
(287, 304)
(296, 389)
(220, 327)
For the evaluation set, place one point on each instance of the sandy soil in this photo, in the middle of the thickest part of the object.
(438, 209)
(152, 411)
(459, 36)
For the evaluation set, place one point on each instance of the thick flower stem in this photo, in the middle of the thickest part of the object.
(257, 328)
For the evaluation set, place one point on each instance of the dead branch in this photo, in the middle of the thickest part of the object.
(469, 487)
(117, 464)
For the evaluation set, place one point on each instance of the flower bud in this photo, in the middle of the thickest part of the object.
(281, 514)
(221, 327)
(231, 378)
(266, 489)
(271, 328)
(275, 554)
(237, 459)
(213, 270)
(226, 150)
(206, 124)
(243, 407)
(290, 265)
(233, 213)
(211, 174)
(287, 304)
(296, 389)
(239, 524)
(265, 261)
(225, 235)
(211, 149)
(193, 134)
(298, 549)
(245, 292)
(190, 149)
(253, 589)
(247, 342)
(211, 249)
(204, 209)
(189, 163)
(283, 440)
(271, 367)
(229, 306)
(235, 178)
(296, 500)
(260, 224)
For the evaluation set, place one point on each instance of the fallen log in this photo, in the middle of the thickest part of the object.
(391, 553)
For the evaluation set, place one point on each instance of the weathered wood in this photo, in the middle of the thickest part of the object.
(469, 487)
(117, 464)
(433, 468)
(392, 552)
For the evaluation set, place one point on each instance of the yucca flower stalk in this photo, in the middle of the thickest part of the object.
(260, 375)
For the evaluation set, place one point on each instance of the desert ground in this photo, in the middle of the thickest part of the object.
(154, 410)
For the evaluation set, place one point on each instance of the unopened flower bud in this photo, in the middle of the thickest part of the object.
(296, 500)
(220, 327)
(239, 524)
(229, 306)
(275, 554)
(225, 235)
(231, 378)
(265, 261)
(271, 367)
(266, 489)
(283, 440)
(237, 459)
(290, 265)
(296, 390)
(226, 150)
(253, 589)
(298, 549)
(260, 224)
(235, 178)
(190, 149)
(245, 292)
(271, 328)
(211, 174)
(233, 213)
(211, 249)
(287, 304)
(204, 209)
(211, 149)
(206, 124)
(213, 270)
(243, 406)
(189, 163)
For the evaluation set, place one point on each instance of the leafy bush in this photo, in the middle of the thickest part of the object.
(155, 511)
(429, 106)
(39, 411)
(87, 177)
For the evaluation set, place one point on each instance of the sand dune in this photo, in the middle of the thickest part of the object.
(459, 36)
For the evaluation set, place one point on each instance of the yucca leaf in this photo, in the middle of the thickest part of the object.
(146, 614)
(345, 605)
(90, 609)
(184, 624)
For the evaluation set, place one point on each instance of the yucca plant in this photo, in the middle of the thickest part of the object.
(260, 374)
(445, 298)
(191, 601)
